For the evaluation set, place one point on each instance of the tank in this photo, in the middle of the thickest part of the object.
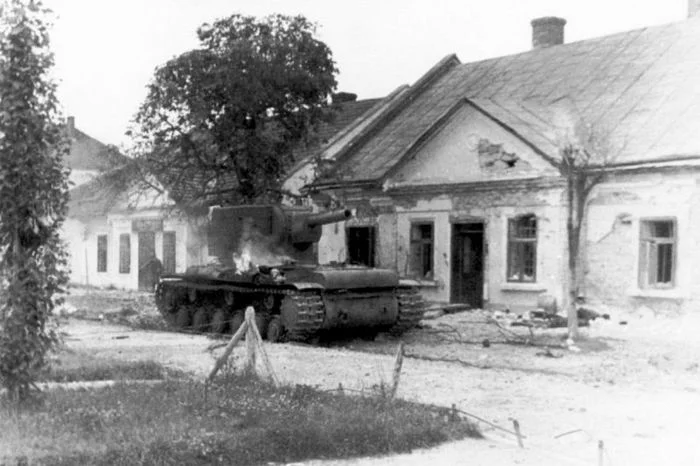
(264, 256)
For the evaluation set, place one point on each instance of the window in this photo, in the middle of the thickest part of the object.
(421, 248)
(361, 245)
(169, 252)
(657, 254)
(101, 253)
(125, 253)
(522, 249)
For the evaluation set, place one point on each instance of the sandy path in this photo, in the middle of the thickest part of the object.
(640, 423)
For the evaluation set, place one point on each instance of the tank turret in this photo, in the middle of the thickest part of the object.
(270, 229)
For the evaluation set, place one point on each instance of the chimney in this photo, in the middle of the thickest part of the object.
(693, 8)
(70, 125)
(549, 31)
(341, 97)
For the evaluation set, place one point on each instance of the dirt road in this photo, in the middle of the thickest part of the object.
(638, 393)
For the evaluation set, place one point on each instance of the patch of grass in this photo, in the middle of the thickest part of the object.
(71, 366)
(236, 421)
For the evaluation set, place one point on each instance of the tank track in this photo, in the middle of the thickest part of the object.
(311, 314)
(411, 310)
(310, 303)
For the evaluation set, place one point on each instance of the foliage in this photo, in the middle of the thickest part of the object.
(238, 421)
(222, 121)
(33, 196)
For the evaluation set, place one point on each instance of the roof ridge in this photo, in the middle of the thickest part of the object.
(435, 72)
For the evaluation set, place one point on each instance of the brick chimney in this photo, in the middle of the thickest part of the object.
(693, 8)
(549, 31)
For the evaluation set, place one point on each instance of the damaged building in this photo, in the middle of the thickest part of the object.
(455, 180)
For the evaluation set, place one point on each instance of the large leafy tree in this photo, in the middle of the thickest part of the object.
(223, 121)
(33, 195)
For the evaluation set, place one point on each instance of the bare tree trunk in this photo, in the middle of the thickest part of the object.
(573, 227)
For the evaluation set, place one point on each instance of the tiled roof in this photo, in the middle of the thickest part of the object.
(639, 86)
(87, 153)
(97, 197)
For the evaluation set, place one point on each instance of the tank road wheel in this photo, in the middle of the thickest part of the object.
(229, 298)
(275, 331)
(192, 295)
(200, 320)
(236, 321)
(267, 304)
(219, 321)
(182, 318)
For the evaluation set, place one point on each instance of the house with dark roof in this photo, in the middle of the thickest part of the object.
(115, 231)
(456, 181)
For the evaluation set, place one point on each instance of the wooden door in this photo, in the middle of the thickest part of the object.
(468, 264)
(147, 253)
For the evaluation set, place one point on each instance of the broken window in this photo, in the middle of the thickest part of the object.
(421, 248)
(657, 253)
(125, 253)
(169, 255)
(522, 249)
(101, 253)
(360, 242)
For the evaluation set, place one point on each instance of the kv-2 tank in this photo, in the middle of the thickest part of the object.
(264, 256)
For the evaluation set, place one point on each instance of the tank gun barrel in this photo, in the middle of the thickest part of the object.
(328, 217)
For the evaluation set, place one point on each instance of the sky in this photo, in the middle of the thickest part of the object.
(106, 51)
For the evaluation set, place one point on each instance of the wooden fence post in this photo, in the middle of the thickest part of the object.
(227, 352)
(250, 338)
(397, 371)
(516, 426)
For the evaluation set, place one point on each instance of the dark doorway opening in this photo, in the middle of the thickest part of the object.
(360, 243)
(468, 264)
(148, 264)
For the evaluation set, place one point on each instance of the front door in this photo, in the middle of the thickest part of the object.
(147, 252)
(468, 264)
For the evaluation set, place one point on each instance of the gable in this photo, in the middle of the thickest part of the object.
(470, 147)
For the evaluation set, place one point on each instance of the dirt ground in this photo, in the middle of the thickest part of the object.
(635, 387)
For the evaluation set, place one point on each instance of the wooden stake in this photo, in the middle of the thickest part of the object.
(516, 427)
(340, 388)
(600, 452)
(227, 352)
(261, 349)
(250, 338)
(397, 371)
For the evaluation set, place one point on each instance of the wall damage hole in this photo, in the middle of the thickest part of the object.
(494, 157)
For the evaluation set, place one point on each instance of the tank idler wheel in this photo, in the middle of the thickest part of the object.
(275, 331)
(219, 321)
(182, 318)
(200, 320)
(261, 321)
(236, 321)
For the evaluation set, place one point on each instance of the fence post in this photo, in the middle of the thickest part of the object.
(250, 338)
(397, 371)
(516, 426)
(227, 352)
(600, 452)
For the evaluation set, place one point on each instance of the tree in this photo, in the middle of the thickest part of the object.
(33, 196)
(585, 156)
(225, 119)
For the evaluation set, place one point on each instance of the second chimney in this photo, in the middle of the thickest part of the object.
(547, 31)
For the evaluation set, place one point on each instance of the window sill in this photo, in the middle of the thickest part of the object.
(513, 286)
(663, 293)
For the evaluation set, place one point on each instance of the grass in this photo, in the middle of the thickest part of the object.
(74, 366)
(238, 420)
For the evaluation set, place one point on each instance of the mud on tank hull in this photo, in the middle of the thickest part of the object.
(310, 302)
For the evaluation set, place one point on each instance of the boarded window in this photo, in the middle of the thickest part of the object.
(361, 245)
(522, 249)
(125, 253)
(169, 255)
(657, 255)
(422, 250)
(101, 253)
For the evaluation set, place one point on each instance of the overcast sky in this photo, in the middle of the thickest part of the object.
(106, 50)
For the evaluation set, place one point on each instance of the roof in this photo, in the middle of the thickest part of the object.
(97, 197)
(87, 153)
(639, 86)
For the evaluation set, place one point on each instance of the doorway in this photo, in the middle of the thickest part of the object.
(468, 264)
(147, 252)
